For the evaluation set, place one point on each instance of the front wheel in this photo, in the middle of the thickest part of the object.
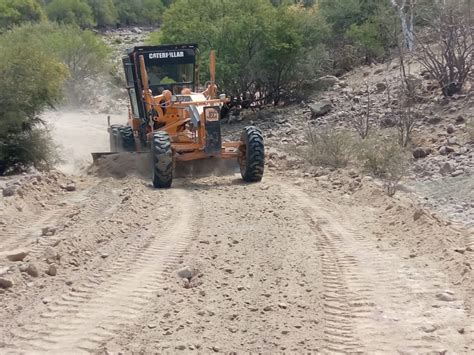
(162, 156)
(252, 155)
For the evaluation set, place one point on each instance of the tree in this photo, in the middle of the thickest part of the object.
(265, 54)
(84, 54)
(449, 55)
(15, 12)
(406, 12)
(139, 11)
(31, 81)
(75, 12)
(104, 12)
(366, 38)
(360, 29)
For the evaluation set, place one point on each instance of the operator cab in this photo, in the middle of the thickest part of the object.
(169, 67)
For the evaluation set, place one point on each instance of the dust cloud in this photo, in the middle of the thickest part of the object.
(122, 165)
(78, 133)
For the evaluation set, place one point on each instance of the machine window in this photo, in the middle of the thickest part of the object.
(164, 75)
(133, 101)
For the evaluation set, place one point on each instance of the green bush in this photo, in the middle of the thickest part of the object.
(31, 81)
(104, 12)
(366, 39)
(76, 12)
(83, 53)
(139, 12)
(14, 12)
(261, 50)
(362, 30)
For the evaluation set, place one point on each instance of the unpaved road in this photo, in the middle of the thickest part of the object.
(291, 264)
(281, 265)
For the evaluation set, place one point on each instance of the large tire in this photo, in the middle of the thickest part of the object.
(162, 155)
(252, 155)
(126, 139)
(114, 135)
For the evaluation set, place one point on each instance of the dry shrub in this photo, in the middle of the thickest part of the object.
(328, 146)
(470, 129)
(449, 58)
(385, 159)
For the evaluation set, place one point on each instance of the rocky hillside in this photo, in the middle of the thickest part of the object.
(442, 145)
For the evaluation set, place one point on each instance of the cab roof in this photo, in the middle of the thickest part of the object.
(162, 47)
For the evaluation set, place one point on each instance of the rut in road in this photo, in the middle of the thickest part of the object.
(376, 301)
(91, 204)
(92, 313)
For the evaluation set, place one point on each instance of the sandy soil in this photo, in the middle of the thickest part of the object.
(293, 264)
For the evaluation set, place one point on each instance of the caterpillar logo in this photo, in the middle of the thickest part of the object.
(165, 55)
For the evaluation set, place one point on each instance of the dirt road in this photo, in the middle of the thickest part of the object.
(284, 265)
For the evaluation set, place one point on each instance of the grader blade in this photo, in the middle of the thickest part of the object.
(98, 155)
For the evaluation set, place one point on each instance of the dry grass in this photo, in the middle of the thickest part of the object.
(329, 147)
(470, 129)
(384, 158)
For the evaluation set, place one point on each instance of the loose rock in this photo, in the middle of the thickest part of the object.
(327, 81)
(419, 153)
(52, 270)
(381, 87)
(17, 255)
(5, 283)
(434, 120)
(185, 273)
(30, 269)
(445, 150)
(417, 215)
(50, 254)
(70, 187)
(48, 231)
(445, 296)
(9, 191)
(446, 168)
(320, 108)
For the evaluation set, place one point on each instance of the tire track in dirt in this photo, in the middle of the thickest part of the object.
(90, 201)
(91, 206)
(375, 300)
(339, 332)
(91, 313)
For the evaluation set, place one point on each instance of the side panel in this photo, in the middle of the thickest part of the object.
(213, 130)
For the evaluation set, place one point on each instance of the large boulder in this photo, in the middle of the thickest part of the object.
(320, 108)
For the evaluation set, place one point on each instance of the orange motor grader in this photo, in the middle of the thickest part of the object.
(170, 119)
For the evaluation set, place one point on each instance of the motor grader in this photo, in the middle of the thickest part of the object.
(170, 119)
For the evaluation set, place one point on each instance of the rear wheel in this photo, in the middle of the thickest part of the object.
(126, 139)
(162, 156)
(252, 155)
